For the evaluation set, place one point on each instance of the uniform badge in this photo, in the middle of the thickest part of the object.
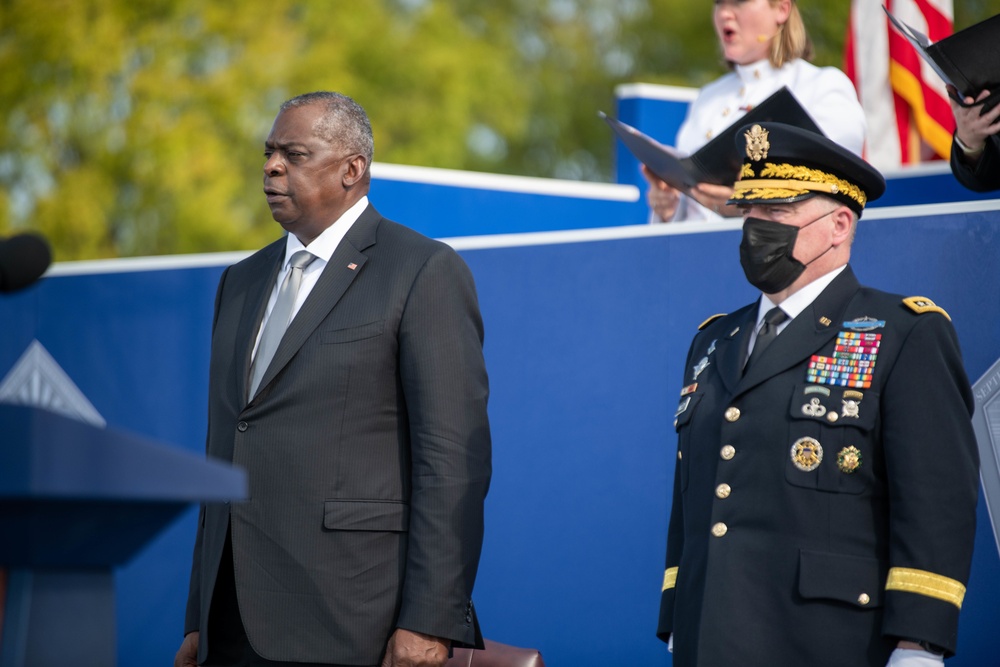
(852, 363)
(807, 454)
(711, 346)
(849, 459)
(690, 389)
(699, 367)
(813, 408)
(852, 404)
(865, 323)
(682, 406)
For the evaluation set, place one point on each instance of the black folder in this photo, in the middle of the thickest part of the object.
(718, 161)
(969, 59)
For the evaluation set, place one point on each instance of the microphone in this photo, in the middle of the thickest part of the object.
(23, 260)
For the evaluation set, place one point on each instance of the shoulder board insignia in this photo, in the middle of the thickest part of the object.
(710, 320)
(920, 305)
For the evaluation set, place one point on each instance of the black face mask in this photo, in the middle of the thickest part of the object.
(766, 253)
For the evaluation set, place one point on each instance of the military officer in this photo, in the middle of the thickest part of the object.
(827, 472)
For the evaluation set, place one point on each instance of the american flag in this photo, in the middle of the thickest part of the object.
(905, 102)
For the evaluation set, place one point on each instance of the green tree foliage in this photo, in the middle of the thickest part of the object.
(136, 128)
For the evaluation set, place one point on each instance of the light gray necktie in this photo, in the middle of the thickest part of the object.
(281, 314)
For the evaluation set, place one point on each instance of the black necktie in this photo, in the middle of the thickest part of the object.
(772, 320)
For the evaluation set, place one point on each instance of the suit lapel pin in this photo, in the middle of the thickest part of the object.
(352, 266)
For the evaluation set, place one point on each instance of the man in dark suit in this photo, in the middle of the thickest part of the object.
(362, 427)
(975, 150)
(827, 473)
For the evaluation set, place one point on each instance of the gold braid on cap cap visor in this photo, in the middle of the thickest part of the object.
(782, 181)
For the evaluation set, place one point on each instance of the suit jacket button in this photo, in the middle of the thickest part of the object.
(732, 414)
(727, 452)
(242, 426)
(720, 529)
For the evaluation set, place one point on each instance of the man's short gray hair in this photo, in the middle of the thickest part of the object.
(344, 124)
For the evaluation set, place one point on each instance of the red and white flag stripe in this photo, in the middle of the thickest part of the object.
(905, 102)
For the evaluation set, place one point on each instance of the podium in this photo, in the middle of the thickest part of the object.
(75, 502)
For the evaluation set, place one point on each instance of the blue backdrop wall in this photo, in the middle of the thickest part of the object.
(585, 337)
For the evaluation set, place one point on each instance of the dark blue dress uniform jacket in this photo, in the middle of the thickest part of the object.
(772, 563)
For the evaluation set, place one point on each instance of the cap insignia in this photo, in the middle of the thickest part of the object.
(757, 143)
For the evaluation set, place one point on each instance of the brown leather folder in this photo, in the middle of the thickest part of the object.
(496, 655)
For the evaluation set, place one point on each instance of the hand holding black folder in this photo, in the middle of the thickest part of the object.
(718, 161)
(968, 60)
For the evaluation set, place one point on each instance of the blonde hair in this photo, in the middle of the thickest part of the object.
(792, 41)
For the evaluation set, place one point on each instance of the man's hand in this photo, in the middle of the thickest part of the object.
(413, 649)
(187, 654)
(714, 197)
(662, 198)
(973, 129)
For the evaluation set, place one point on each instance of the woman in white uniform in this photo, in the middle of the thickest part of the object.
(766, 46)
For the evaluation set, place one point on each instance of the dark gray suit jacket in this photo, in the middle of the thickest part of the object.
(367, 449)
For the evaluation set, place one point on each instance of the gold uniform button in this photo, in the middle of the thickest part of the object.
(732, 414)
(723, 491)
(863, 599)
(720, 529)
(679, 455)
(728, 452)
(832, 417)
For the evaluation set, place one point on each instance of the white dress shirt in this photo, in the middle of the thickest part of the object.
(793, 305)
(322, 247)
